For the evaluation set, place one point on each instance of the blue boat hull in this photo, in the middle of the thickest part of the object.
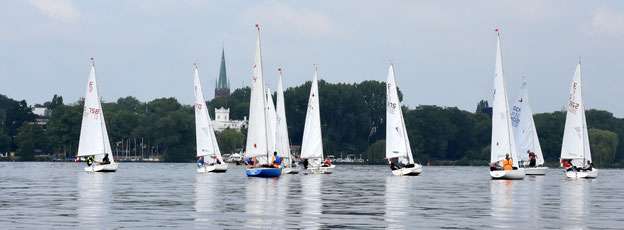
(264, 172)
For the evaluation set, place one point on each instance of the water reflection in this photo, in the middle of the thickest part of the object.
(396, 201)
(265, 202)
(502, 202)
(93, 199)
(573, 197)
(205, 196)
(312, 202)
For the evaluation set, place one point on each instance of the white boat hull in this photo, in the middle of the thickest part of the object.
(112, 167)
(583, 174)
(217, 168)
(536, 171)
(414, 171)
(322, 170)
(518, 174)
(291, 170)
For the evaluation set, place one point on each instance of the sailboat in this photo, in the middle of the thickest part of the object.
(503, 142)
(312, 142)
(575, 145)
(257, 145)
(397, 141)
(525, 132)
(93, 134)
(207, 146)
(282, 142)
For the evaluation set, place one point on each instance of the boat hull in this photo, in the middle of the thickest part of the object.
(414, 171)
(536, 171)
(518, 174)
(218, 168)
(583, 174)
(264, 172)
(322, 169)
(291, 170)
(102, 168)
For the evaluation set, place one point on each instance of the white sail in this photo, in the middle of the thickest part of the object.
(271, 119)
(204, 133)
(282, 141)
(93, 133)
(524, 127)
(397, 141)
(256, 145)
(502, 137)
(312, 142)
(575, 144)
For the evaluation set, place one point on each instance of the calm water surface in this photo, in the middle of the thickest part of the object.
(141, 195)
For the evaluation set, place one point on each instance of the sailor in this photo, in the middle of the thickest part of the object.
(218, 161)
(276, 160)
(393, 166)
(507, 163)
(532, 158)
(327, 162)
(105, 160)
(590, 166)
(521, 163)
(89, 160)
(305, 163)
(251, 162)
(200, 162)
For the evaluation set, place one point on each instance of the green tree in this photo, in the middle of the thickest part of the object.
(27, 151)
(376, 153)
(230, 141)
(603, 145)
(32, 134)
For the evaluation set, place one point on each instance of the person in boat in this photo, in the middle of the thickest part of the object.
(507, 163)
(590, 166)
(521, 163)
(89, 160)
(200, 162)
(393, 166)
(569, 166)
(276, 160)
(327, 162)
(105, 160)
(305, 163)
(251, 162)
(218, 161)
(494, 167)
(532, 158)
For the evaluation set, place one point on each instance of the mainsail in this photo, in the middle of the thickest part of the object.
(575, 139)
(282, 141)
(93, 133)
(524, 127)
(204, 133)
(257, 144)
(312, 142)
(502, 138)
(397, 141)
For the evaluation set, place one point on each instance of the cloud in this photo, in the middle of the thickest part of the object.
(305, 22)
(605, 22)
(62, 10)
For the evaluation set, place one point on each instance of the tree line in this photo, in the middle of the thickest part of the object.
(352, 119)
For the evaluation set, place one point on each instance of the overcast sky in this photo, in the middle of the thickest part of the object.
(443, 51)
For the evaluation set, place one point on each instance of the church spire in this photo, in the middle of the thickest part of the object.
(223, 87)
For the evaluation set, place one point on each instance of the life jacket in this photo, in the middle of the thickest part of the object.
(567, 164)
(90, 160)
(508, 164)
(328, 162)
(276, 160)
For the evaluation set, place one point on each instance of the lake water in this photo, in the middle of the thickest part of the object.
(161, 195)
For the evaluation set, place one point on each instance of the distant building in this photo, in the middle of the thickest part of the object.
(222, 121)
(43, 116)
(222, 88)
